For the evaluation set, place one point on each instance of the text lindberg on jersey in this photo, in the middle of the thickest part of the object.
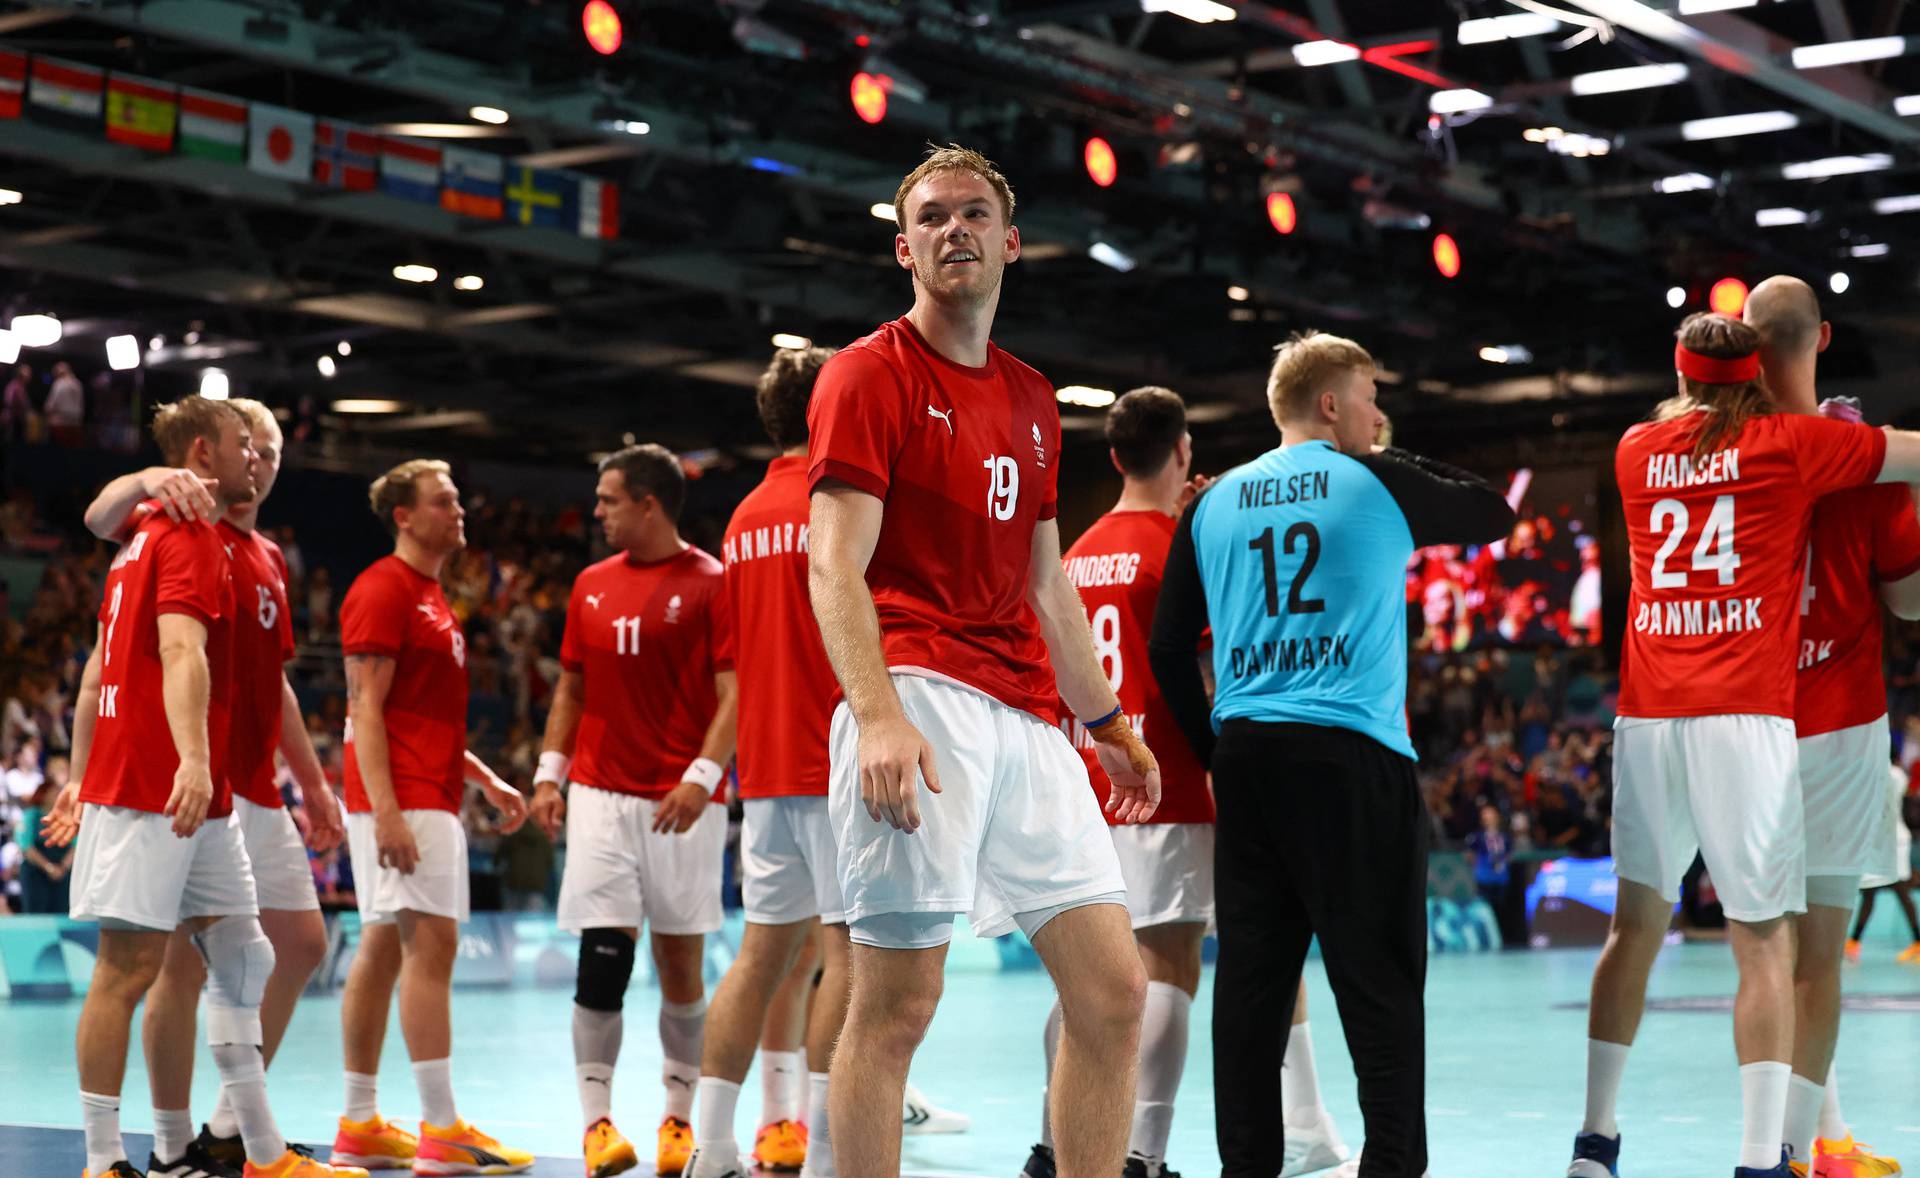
(1679, 470)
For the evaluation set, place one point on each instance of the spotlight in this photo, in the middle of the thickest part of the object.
(123, 352)
(213, 385)
(1728, 296)
(1838, 282)
(1676, 297)
(326, 366)
(488, 114)
(1239, 294)
(869, 93)
(881, 210)
(1111, 257)
(602, 26)
(1446, 255)
(793, 342)
(1103, 168)
(9, 347)
(1090, 398)
(414, 272)
(1281, 213)
(36, 331)
(344, 348)
(469, 282)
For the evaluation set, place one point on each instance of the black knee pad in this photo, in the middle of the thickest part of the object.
(606, 966)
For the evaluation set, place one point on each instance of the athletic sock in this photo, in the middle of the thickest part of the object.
(1763, 1105)
(596, 1048)
(1833, 1126)
(1300, 1080)
(172, 1133)
(595, 1081)
(1804, 1098)
(223, 1123)
(363, 1097)
(1050, 1037)
(1163, 1057)
(1606, 1063)
(714, 1128)
(243, 1076)
(819, 1134)
(434, 1079)
(683, 1028)
(101, 1117)
(782, 1085)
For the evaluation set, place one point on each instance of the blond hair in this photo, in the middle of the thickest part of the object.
(260, 419)
(176, 426)
(1304, 366)
(953, 158)
(400, 487)
(1728, 406)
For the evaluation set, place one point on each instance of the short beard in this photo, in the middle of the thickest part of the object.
(970, 298)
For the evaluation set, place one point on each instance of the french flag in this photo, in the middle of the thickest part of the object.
(599, 208)
(345, 155)
(410, 170)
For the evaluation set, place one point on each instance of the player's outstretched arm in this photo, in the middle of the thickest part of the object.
(843, 527)
(61, 824)
(369, 679)
(185, 682)
(1179, 619)
(1083, 684)
(549, 808)
(325, 829)
(1902, 463)
(182, 494)
(682, 808)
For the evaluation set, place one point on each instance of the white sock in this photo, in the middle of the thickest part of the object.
(1763, 1104)
(1050, 1037)
(363, 1097)
(819, 1138)
(682, 1038)
(434, 1079)
(713, 1131)
(1163, 1057)
(1606, 1063)
(172, 1133)
(1833, 1126)
(782, 1085)
(223, 1123)
(243, 1077)
(595, 1081)
(1803, 1115)
(1300, 1080)
(101, 1116)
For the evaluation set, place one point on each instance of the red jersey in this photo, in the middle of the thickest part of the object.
(786, 684)
(395, 611)
(648, 640)
(1719, 548)
(1117, 566)
(1862, 538)
(967, 461)
(164, 568)
(262, 644)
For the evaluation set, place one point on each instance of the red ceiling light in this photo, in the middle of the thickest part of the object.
(1102, 167)
(1728, 296)
(1281, 214)
(602, 25)
(1446, 255)
(869, 93)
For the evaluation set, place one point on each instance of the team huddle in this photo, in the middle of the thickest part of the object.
(933, 711)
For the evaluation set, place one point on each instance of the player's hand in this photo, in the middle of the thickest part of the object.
(511, 803)
(61, 825)
(1131, 767)
(679, 810)
(394, 838)
(549, 808)
(893, 757)
(1190, 492)
(183, 495)
(192, 796)
(325, 828)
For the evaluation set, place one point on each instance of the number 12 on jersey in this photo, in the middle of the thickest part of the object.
(1303, 535)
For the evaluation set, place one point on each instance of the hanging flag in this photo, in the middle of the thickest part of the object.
(13, 82)
(65, 91)
(599, 208)
(472, 183)
(141, 112)
(280, 141)
(345, 155)
(212, 126)
(410, 170)
(542, 197)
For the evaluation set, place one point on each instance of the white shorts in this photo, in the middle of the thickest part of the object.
(281, 876)
(129, 866)
(438, 885)
(1899, 865)
(1725, 786)
(620, 874)
(1016, 828)
(1843, 779)
(787, 860)
(1168, 867)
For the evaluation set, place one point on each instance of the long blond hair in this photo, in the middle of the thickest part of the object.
(1728, 406)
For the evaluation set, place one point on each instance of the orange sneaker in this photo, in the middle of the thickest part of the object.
(378, 1144)
(676, 1144)
(1910, 955)
(1848, 1158)
(607, 1150)
(781, 1145)
(460, 1148)
(296, 1162)
(1853, 950)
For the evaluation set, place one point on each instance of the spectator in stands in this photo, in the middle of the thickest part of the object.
(16, 407)
(1491, 876)
(44, 868)
(66, 408)
(23, 776)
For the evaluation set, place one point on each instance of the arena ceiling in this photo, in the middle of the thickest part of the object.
(745, 205)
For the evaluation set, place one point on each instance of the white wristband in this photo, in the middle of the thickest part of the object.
(705, 772)
(553, 767)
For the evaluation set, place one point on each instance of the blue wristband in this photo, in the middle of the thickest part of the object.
(1106, 719)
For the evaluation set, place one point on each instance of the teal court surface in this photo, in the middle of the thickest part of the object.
(1505, 1066)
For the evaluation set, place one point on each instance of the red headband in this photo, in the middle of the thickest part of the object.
(1712, 370)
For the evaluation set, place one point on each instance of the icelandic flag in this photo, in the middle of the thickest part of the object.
(472, 183)
(599, 208)
(410, 170)
(345, 155)
(544, 197)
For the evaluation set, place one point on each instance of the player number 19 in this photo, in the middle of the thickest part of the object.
(1003, 486)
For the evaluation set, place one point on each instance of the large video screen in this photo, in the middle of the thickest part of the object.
(1540, 585)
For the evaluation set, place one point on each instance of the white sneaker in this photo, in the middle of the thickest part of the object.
(1312, 1148)
(920, 1115)
(715, 1161)
(1352, 1170)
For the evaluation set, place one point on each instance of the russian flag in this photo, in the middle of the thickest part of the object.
(599, 208)
(473, 183)
(345, 155)
(409, 170)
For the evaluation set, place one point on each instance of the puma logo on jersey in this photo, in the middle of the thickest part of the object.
(229, 549)
(946, 417)
(593, 599)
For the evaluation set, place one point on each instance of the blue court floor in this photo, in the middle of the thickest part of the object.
(1506, 1037)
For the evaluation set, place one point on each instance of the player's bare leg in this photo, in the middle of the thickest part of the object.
(1097, 972)
(127, 963)
(746, 1010)
(1763, 1031)
(893, 996)
(1821, 937)
(364, 1007)
(428, 946)
(1619, 998)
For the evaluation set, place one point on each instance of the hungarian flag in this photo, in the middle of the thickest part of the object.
(280, 141)
(472, 183)
(141, 112)
(599, 208)
(409, 170)
(13, 82)
(212, 126)
(345, 155)
(542, 197)
(65, 91)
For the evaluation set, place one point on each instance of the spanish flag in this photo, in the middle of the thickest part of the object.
(141, 112)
